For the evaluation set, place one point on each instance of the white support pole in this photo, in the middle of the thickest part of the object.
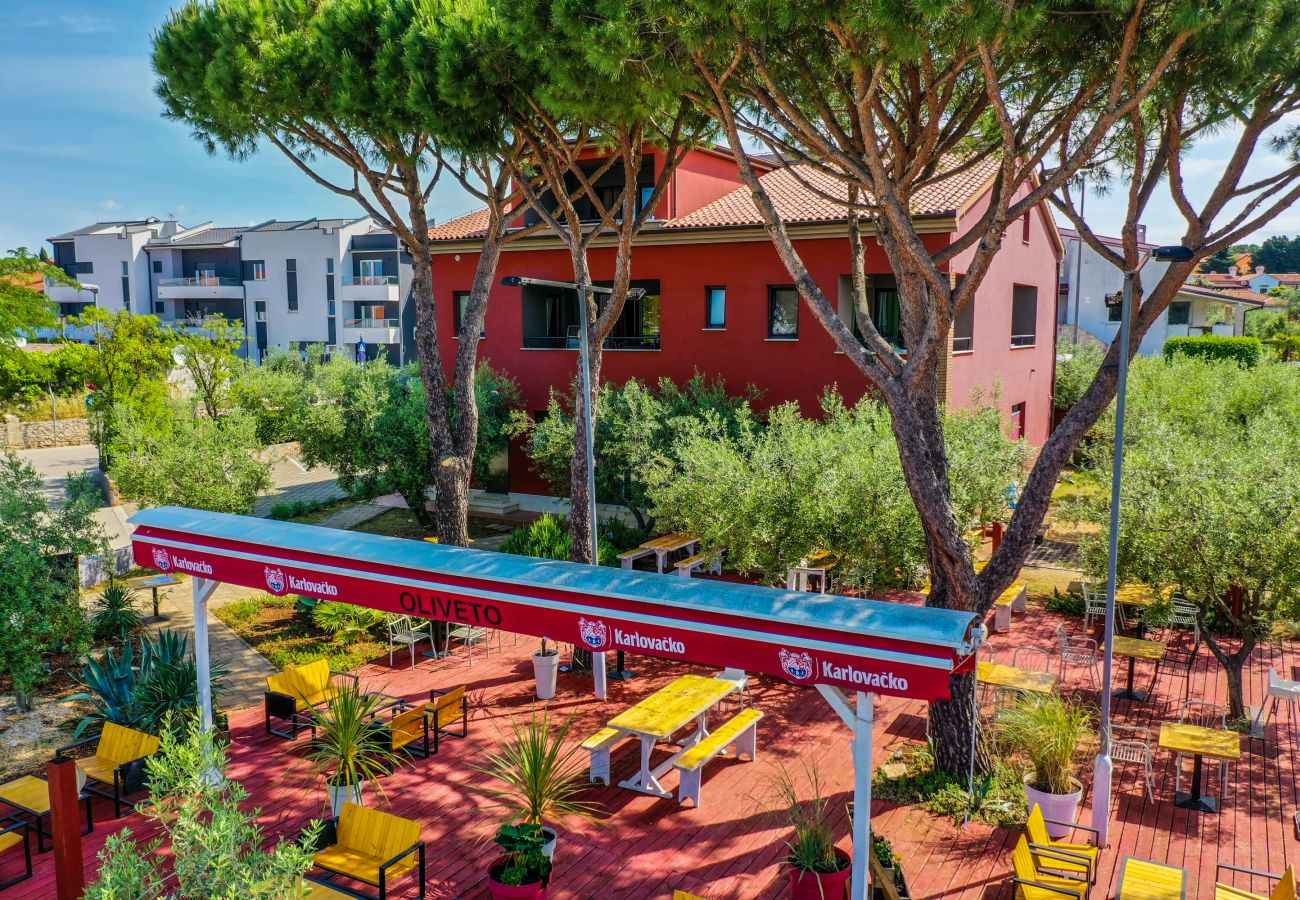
(203, 588)
(864, 719)
(598, 674)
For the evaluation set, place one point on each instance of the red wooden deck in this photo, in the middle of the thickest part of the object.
(728, 848)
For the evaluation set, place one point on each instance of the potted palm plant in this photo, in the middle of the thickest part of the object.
(349, 748)
(1051, 732)
(541, 773)
(522, 872)
(818, 870)
(546, 667)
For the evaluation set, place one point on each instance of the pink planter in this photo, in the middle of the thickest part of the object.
(817, 886)
(499, 891)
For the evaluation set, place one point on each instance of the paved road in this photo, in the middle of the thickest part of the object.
(54, 463)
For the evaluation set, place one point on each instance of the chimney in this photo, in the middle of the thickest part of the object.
(1259, 270)
(1142, 233)
(1232, 271)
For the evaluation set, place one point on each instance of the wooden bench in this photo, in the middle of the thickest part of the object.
(371, 846)
(710, 559)
(599, 746)
(292, 694)
(628, 558)
(1013, 598)
(408, 730)
(741, 730)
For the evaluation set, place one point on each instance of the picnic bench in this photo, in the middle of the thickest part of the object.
(706, 559)
(1013, 598)
(661, 547)
(740, 730)
(1141, 879)
(817, 565)
(599, 745)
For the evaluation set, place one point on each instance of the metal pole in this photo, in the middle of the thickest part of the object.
(864, 719)
(203, 589)
(1078, 256)
(1102, 776)
(589, 439)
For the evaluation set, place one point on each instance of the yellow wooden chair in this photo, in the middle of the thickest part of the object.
(444, 709)
(292, 694)
(11, 836)
(1079, 859)
(372, 847)
(118, 762)
(682, 895)
(1285, 889)
(408, 730)
(1032, 884)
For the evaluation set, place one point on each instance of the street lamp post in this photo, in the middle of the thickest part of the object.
(589, 437)
(1104, 766)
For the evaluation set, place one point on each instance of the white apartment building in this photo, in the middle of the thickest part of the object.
(1087, 279)
(344, 283)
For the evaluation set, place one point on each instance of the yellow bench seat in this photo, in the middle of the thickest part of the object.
(599, 746)
(1285, 889)
(741, 730)
(373, 847)
(291, 694)
(118, 761)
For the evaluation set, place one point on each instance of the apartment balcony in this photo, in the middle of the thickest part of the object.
(62, 293)
(372, 331)
(202, 325)
(368, 289)
(1223, 329)
(204, 287)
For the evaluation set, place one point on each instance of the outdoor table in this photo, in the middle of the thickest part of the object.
(1142, 596)
(386, 701)
(30, 795)
(659, 716)
(1141, 879)
(818, 564)
(1198, 742)
(999, 675)
(157, 581)
(668, 543)
(1135, 649)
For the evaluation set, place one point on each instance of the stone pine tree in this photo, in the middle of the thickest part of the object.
(572, 84)
(868, 104)
(328, 86)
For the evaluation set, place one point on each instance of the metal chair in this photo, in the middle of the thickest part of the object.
(1132, 743)
(1182, 614)
(1182, 660)
(1205, 715)
(1093, 604)
(1079, 651)
(741, 695)
(401, 631)
(469, 635)
(1032, 659)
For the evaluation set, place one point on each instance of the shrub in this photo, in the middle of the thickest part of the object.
(83, 487)
(1075, 371)
(115, 616)
(549, 538)
(347, 623)
(1245, 351)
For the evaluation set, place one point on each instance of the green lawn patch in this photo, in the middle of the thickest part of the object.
(999, 797)
(273, 627)
(401, 523)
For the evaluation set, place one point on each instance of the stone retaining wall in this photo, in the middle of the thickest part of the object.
(18, 435)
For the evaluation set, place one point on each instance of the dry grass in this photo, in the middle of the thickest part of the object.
(64, 408)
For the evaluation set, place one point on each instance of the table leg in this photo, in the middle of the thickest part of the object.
(620, 673)
(645, 780)
(1129, 693)
(1194, 800)
(661, 560)
(157, 616)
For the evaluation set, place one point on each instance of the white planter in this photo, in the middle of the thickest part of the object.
(343, 793)
(549, 847)
(546, 669)
(1061, 807)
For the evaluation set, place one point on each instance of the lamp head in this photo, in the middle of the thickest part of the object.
(512, 281)
(1172, 254)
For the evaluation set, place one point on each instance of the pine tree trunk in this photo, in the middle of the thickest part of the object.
(953, 725)
(583, 549)
(451, 504)
(1232, 670)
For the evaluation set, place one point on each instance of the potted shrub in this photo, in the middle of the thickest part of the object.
(349, 748)
(546, 667)
(1051, 732)
(818, 870)
(890, 865)
(542, 774)
(523, 870)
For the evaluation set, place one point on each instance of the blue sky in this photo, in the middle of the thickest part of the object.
(85, 140)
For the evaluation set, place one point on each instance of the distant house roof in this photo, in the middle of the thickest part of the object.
(1227, 294)
(209, 237)
(802, 195)
(1287, 279)
(1069, 234)
(300, 224)
(97, 227)
(1223, 279)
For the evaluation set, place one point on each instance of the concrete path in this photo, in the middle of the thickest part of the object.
(54, 463)
(352, 516)
(292, 481)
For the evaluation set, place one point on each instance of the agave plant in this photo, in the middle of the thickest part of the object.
(114, 615)
(109, 683)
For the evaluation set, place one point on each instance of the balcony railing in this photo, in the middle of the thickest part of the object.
(1024, 340)
(370, 323)
(963, 344)
(553, 342)
(369, 279)
(200, 281)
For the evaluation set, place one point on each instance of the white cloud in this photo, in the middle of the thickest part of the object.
(109, 206)
(73, 23)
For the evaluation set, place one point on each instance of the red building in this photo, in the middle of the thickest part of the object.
(719, 301)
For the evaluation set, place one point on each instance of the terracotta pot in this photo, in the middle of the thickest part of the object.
(1061, 807)
(499, 891)
(821, 886)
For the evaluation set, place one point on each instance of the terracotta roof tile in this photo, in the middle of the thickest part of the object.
(471, 225)
(1244, 295)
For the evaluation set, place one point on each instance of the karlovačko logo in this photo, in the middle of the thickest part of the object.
(161, 560)
(594, 633)
(798, 666)
(275, 579)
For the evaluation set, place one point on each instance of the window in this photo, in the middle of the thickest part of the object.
(963, 329)
(329, 266)
(126, 269)
(638, 327)
(159, 307)
(291, 283)
(1024, 316)
(259, 270)
(333, 308)
(1114, 308)
(782, 313)
(157, 266)
(885, 316)
(1017, 421)
(1024, 228)
(1180, 313)
(259, 310)
(459, 308)
(551, 319)
(371, 271)
(715, 307)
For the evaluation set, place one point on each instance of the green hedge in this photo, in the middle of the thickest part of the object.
(1246, 351)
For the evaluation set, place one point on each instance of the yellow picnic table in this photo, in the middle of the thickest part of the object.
(1141, 879)
(815, 565)
(665, 544)
(662, 714)
(1198, 742)
(1138, 594)
(999, 675)
(1135, 649)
